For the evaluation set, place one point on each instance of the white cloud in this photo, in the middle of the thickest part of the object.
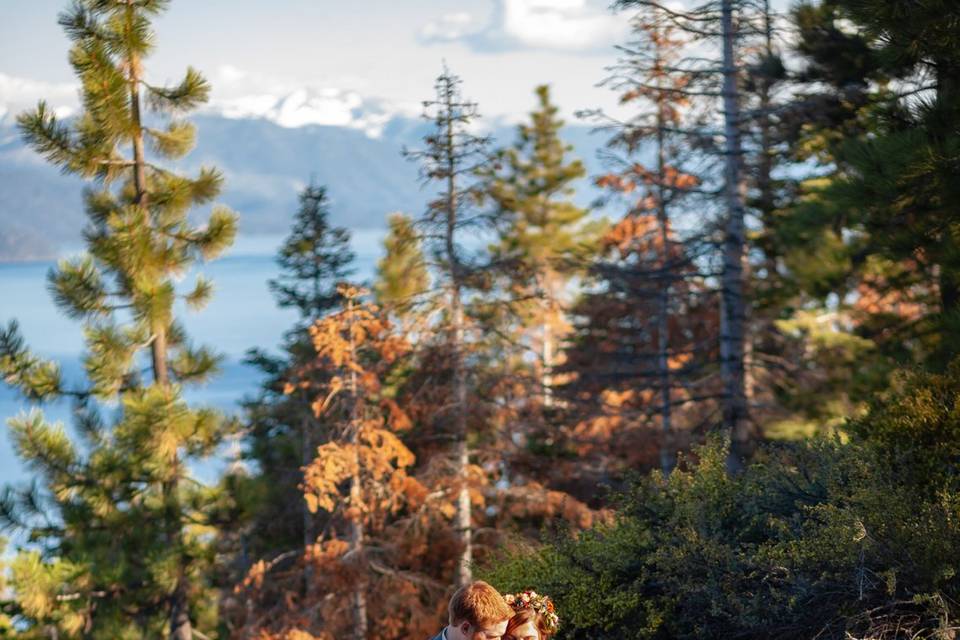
(328, 106)
(237, 94)
(230, 74)
(20, 94)
(566, 25)
(252, 106)
(452, 26)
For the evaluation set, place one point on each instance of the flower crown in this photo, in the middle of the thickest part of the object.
(542, 605)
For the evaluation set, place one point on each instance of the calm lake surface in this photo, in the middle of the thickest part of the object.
(242, 315)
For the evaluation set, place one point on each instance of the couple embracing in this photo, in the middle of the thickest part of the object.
(477, 611)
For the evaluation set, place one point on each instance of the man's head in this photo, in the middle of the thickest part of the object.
(478, 612)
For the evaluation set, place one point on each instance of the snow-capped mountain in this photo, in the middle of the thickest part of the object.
(268, 146)
(327, 107)
(237, 94)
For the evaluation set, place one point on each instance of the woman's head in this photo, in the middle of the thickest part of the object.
(526, 624)
(535, 618)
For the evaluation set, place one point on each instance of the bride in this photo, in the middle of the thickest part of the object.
(534, 617)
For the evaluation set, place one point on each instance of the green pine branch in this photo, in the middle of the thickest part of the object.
(195, 365)
(78, 288)
(176, 141)
(47, 134)
(35, 378)
(192, 92)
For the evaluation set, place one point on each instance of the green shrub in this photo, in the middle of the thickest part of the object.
(819, 539)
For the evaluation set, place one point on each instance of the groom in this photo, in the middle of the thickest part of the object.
(477, 612)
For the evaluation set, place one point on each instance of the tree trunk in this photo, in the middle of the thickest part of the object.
(735, 417)
(462, 452)
(766, 205)
(546, 352)
(306, 457)
(356, 524)
(158, 346)
(359, 599)
(765, 168)
(668, 441)
(180, 625)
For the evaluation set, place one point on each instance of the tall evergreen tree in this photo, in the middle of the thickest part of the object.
(449, 161)
(120, 527)
(802, 339)
(650, 77)
(544, 238)
(402, 272)
(723, 25)
(616, 358)
(889, 204)
(766, 154)
(764, 78)
(283, 430)
(314, 258)
(845, 294)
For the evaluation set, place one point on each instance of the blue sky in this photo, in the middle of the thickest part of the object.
(387, 50)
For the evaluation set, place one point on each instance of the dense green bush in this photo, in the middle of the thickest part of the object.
(830, 538)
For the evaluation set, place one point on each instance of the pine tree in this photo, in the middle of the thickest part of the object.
(890, 203)
(614, 359)
(724, 24)
(857, 285)
(650, 77)
(402, 273)
(764, 78)
(372, 560)
(544, 239)
(450, 160)
(314, 259)
(120, 527)
(799, 347)
(764, 87)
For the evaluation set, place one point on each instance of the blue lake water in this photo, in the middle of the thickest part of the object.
(241, 315)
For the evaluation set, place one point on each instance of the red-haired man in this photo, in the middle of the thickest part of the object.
(477, 612)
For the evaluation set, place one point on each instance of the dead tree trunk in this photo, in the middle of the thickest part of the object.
(732, 301)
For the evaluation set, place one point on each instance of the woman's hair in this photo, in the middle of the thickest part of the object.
(522, 617)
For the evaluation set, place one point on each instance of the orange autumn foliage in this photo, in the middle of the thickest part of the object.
(363, 479)
(613, 384)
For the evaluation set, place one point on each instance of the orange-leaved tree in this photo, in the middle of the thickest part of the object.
(373, 559)
(631, 361)
(643, 288)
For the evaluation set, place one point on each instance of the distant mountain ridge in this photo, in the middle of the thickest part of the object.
(310, 105)
(265, 166)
